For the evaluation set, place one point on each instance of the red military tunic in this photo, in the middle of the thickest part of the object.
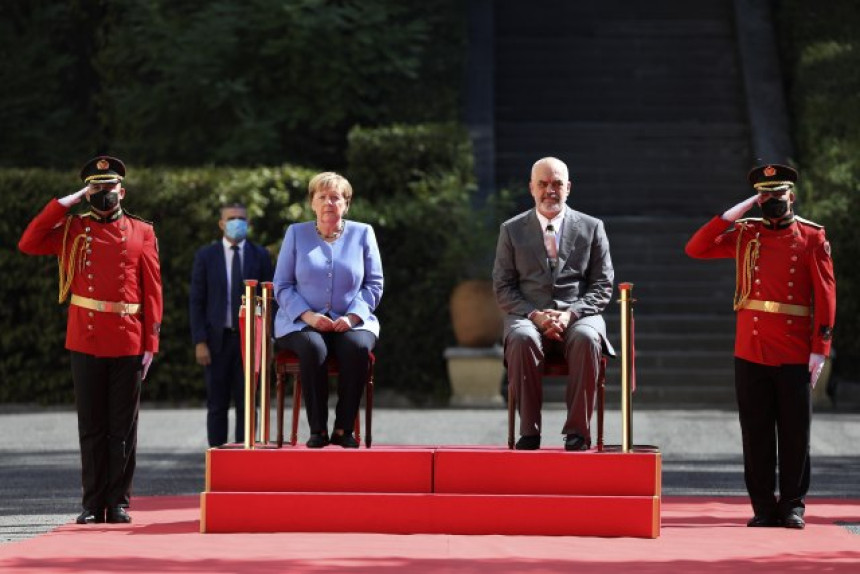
(113, 261)
(793, 268)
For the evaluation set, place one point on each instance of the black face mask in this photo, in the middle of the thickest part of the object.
(104, 201)
(774, 208)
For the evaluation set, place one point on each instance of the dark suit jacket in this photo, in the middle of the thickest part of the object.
(208, 299)
(581, 282)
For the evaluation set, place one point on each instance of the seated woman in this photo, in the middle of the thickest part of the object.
(328, 282)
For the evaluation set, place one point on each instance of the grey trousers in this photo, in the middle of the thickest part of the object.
(525, 350)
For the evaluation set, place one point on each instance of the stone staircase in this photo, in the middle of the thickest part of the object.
(644, 101)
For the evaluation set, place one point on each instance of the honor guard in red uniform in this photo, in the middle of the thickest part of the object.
(109, 271)
(785, 300)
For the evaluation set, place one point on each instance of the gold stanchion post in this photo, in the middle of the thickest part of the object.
(265, 358)
(249, 300)
(627, 369)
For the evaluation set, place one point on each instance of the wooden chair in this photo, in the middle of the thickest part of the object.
(287, 363)
(555, 365)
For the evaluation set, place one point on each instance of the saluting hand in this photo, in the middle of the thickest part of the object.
(73, 198)
(734, 213)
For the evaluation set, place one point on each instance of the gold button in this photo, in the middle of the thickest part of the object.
(758, 293)
(90, 288)
(91, 314)
(794, 257)
(791, 270)
(89, 238)
(789, 321)
(87, 229)
(755, 318)
(758, 281)
(123, 238)
(90, 327)
(755, 332)
(89, 276)
(790, 297)
(791, 283)
(756, 267)
(89, 250)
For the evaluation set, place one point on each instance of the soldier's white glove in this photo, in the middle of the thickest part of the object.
(734, 213)
(73, 198)
(816, 364)
(145, 363)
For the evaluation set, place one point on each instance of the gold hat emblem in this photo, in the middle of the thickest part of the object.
(769, 171)
(102, 164)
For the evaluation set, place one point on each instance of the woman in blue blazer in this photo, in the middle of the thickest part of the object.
(328, 282)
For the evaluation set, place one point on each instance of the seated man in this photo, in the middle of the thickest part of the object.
(553, 277)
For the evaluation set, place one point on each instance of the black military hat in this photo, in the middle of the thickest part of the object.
(772, 176)
(103, 169)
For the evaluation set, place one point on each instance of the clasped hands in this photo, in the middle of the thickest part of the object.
(326, 324)
(552, 323)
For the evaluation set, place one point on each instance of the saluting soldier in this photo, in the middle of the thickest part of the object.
(785, 300)
(108, 262)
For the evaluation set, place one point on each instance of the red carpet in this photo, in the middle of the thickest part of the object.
(698, 535)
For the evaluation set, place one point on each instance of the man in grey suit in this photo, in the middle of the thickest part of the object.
(553, 277)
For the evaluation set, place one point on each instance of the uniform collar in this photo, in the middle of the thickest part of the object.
(779, 225)
(111, 217)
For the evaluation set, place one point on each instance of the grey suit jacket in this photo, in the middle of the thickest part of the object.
(581, 282)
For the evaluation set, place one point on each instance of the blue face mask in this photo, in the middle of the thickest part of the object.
(236, 230)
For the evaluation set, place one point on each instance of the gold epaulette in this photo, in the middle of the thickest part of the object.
(749, 220)
(809, 223)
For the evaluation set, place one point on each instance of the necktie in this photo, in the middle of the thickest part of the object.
(549, 243)
(235, 286)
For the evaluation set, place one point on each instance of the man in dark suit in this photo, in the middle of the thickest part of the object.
(217, 282)
(553, 277)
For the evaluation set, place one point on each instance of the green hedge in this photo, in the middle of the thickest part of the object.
(428, 239)
(821, 49)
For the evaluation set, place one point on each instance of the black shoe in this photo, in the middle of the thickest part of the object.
(317, 440)
(91, 517)
(528, 442)
(793, 520)
(576, 442)
(345, 440)
(763, 521)
(118, 515)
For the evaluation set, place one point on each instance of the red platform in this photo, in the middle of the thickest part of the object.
(432, 490)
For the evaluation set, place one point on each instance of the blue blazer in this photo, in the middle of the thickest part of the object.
(335, 279)
(208, 299)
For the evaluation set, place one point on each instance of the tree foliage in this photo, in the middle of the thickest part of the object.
(822, 63)
(225, 82)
